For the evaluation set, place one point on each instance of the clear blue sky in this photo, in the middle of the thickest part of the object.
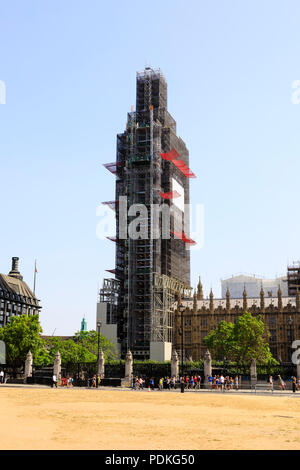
(69, 69)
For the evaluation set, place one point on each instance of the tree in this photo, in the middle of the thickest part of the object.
(220, 341)
(21, 335)
(70, 351)
(89, 340)
(250, 341)
(241, 342)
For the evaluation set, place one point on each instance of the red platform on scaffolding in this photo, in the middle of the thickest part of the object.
(112, 271)
(170, 195)
(112, 167)
(184, 168)
(111, 204)
(184, 238)
(113, 239)
(171, 155)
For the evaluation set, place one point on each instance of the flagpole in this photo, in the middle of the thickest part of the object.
(34, 277)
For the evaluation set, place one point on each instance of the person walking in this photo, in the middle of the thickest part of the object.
(160, 383)
(54, 381)
(271, 382)
(294, 384)
(1, 377)
(199, 382)
(281, 383)
(221, 380)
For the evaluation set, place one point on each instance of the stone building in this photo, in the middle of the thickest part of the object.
(281, 316)
(15, 296)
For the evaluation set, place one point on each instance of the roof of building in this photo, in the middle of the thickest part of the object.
(13, 283)
(251, 278)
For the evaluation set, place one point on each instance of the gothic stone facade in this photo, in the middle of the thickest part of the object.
(281, 315)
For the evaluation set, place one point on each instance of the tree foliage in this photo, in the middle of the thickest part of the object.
(241, 342)
(69, 351)
(21, 335)
(89, 340)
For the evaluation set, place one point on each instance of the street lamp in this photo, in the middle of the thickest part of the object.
(290, 335)
(181, 309)
(98, 359)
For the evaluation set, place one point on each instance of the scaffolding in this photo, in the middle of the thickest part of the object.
(293, 278)
(165, 295)
(109, 294)
(150, 271)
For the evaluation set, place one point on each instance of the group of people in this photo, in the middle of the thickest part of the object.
(64, 382)
(168, 383)
(138, 383)
(282, 384)
(219, 382)
(95, 379)
(67, 382)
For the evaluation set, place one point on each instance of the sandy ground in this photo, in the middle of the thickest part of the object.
(96, 419)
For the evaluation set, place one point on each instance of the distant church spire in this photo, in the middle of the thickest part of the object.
(83, 326)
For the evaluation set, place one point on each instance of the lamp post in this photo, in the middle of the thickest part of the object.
(181, 309)
(290, 335)
(98, 358)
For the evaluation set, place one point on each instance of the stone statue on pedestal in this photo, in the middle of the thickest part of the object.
(253, 374)
(127, 381)
(101, 365)
(207, 367)
(174, 364)
(57, 366)
(28, 367)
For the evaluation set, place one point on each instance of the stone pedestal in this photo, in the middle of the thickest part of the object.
(207, 368)
(57, 366)
(253, 374)
(101, 365)
(298, 371)
(174, 364)
(28, 367)
(127, 381)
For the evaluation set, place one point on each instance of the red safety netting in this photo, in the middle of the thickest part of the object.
(112, 167)
(171, 155)
(184, 238)
(111, 204)
(170, 195)
(184, 168)
(112, 271)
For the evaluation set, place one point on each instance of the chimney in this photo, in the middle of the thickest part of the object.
(15, 268)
